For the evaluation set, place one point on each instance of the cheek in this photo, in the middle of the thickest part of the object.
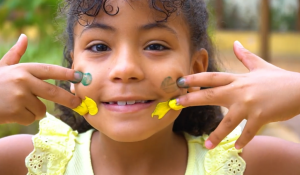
(98, 76)
(165, 77)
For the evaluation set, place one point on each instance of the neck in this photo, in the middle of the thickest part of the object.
(142, 157)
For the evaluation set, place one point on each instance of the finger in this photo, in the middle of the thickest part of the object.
(14, 55)
(36, 106)
(25, 117)
(54, 93)
(250, 60)
(250, 130)
(210, 96)
(228, 124)
(48, 71)
(206, 79)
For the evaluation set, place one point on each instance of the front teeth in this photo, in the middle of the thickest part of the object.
(130, 102)
(123, 103)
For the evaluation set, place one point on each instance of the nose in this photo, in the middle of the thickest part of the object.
(127, 67)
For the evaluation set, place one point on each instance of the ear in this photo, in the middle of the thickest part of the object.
(199, 61)
(72, 55)
(199, 64)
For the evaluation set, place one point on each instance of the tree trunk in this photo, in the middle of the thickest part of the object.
(298, 18)
(265, 29)
(219, 14)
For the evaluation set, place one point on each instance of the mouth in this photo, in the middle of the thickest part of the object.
(128, 106)
(131, 102)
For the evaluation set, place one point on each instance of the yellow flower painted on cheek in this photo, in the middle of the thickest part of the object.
(88, 105)
(164, 107)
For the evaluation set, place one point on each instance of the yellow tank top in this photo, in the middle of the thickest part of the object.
(58, 150)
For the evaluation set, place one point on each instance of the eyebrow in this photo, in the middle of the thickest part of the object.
(144, 27)
(158, 25)
(99, 26)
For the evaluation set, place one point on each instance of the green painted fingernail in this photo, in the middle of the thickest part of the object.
(87, 79)
(181, 83)
(77, 77)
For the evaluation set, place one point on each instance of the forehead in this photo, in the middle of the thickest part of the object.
(134, 14)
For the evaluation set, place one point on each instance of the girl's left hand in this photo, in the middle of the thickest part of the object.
(265, 94)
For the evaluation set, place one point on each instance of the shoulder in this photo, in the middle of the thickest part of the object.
(270, 155)
(13, 151)
(53, 147)
(224, 159)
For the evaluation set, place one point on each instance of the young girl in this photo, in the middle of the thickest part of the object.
(131, 53)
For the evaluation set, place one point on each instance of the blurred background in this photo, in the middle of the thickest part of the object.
(268, 28)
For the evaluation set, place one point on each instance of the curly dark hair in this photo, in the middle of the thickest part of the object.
(195, 120)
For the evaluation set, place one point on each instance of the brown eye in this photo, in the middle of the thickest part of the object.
(100, 48)
(158, 47)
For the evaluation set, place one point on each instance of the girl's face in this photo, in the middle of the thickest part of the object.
(133, 60)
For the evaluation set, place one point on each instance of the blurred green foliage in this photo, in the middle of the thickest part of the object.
(39, 18)
(26, 13)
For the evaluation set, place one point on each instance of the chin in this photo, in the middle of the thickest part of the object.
(129, 134)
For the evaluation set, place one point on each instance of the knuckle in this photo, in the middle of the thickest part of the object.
(213, 75)
(52, 91)
(74, 102)
(14, 110)
(46, 68)
(209, 94)
(228, 123)
(214, 137)
(27, 122)
(15, 52)
(249, 100)
(248, 135)
(19, 95)
(247, 53)
(20, 78)
(183, 100)
(191, 78)
(41, 112)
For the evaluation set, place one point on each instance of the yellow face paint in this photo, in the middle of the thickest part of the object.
(163, 107)
(81, 109)
(91, 105)
(88, 105)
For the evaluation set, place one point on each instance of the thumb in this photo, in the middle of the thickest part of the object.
(14, 55)
(250, 60)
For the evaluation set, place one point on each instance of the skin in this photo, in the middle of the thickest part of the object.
(26, 82)
(254, 97)
(133, 142)
(169, 85)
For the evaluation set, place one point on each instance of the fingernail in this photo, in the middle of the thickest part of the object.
(181, 83)
(208, 144)
(20, 37)
(174, 104)
(77, 77)
(237, 146)
(239, 44)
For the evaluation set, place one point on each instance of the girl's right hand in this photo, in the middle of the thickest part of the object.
(265, 94)
(22, 84)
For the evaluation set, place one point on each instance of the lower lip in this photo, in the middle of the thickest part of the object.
(127, 108)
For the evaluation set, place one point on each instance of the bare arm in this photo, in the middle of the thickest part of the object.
(13, 151)
(269, 155)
